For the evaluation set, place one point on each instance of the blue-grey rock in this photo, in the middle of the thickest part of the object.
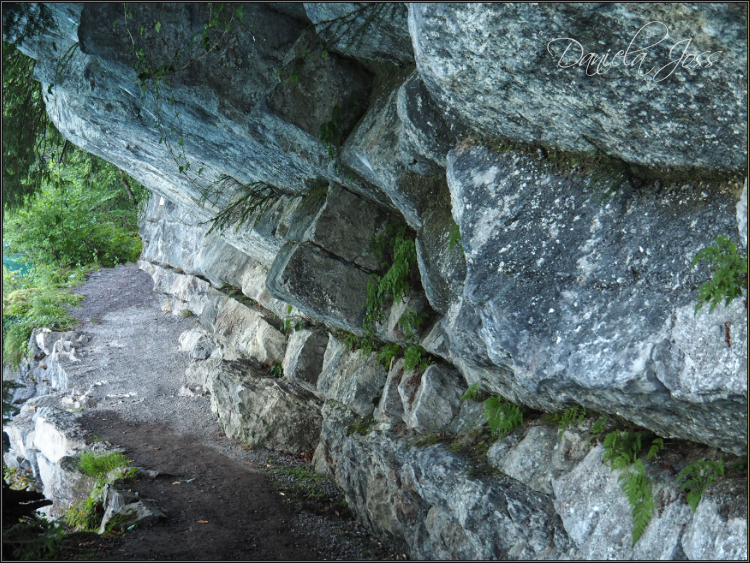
(593, 301)
(503, 69)
(366, 30)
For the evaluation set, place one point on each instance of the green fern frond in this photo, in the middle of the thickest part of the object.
(637, 488)
(656, 445)
(502, 416)
(471, 392)
(698, 476)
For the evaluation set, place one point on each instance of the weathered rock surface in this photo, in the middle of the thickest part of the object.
(123, 509)
(544, 292)
(260, 410)
(369, 30)
(503, 69)
(437, 399)
(593, 301)
(351, 378)
(426, 500)
(303, 362)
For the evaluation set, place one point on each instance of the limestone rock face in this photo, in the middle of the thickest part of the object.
(424, 499)
(503, 69)
(476, 131)
(552, 270)
(259, 410)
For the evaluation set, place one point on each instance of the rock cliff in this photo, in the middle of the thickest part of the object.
(555, 202)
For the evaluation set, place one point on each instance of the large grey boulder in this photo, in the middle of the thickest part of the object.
(321, 285)
(257, 409)
(503, 69)
(593, 301)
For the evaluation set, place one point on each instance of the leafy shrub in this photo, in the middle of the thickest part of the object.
(32, 541)
(730, 274)
(85, 216)
(698, 476)
(276, 370)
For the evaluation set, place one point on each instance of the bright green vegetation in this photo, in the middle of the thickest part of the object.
(730, 274)
(83, 217)
(276, 370)
(306, 486)
(501, 415)
(698, 476)
(416, 358)
(98, 465)
(621, 449)
(87, 514)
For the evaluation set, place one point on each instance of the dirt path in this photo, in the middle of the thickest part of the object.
(224, 502)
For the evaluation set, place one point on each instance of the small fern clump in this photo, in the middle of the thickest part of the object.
(621, 448)
(416, 357)
(730, 274)
(570, 416)
(502, 416)
(471, 393)
(698, 476)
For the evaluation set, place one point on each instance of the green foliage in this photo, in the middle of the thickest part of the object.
(252, 201)
(455, 238)
(37, 299)
(398, 254)
(276, 370)
(637, 488)
(598, 426)
(332, 131)
(502, 416)
(698, 476)
(100, 464)
(621, 448)
(34, 540)
(567, 418)
(410, 321)
(416, 357)
(387, 353)
(86, 514)
(730, 274)
(656, 446)
(83, 215)
(28, 135)
(471, 393)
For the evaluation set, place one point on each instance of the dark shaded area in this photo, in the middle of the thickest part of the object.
(225, 512)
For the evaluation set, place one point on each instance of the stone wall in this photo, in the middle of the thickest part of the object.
(580, 199)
